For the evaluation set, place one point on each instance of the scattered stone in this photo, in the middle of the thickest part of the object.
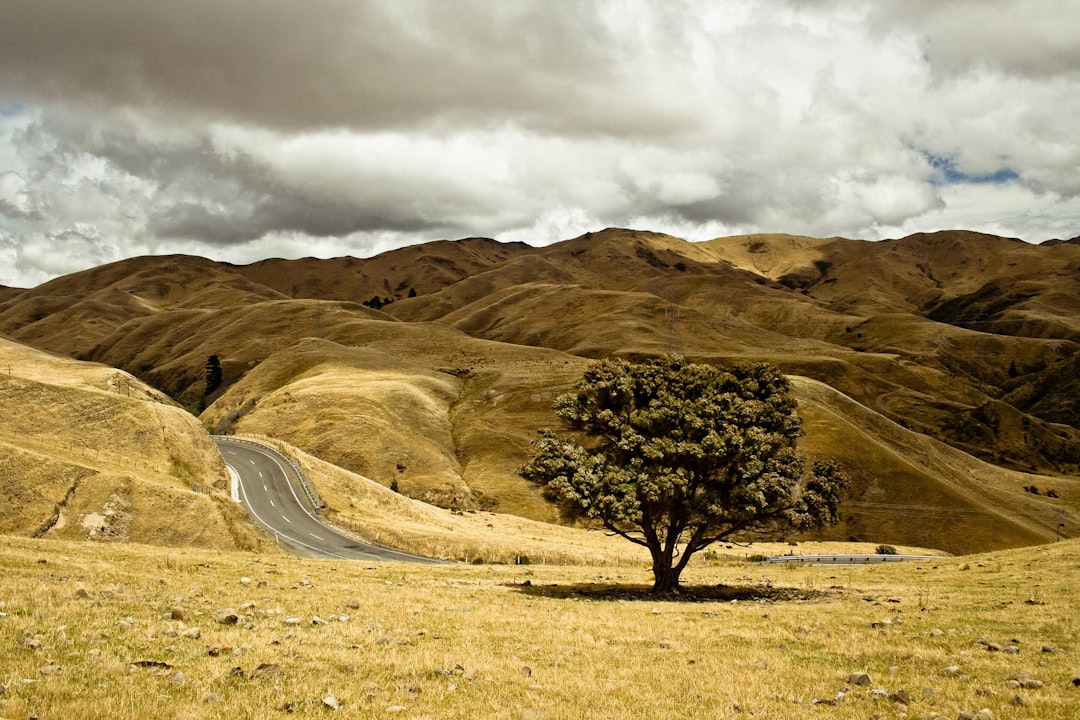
(1011, 649)
(396, 709)
(245, 581)
(51, 670)
(178, 678)
(316, 620)
(178, 613)
(1075, 680)
(292, 620)
(937, 632)
(126, 624)
(1049, 649)
(352, 604)
(984, 714)
(1027, 682)
(901, 696)
(228, 616)
(928, 692)
(526, 671)
(952, 671)
(965, 715)
(1018, 701)
(219, 650)
(81, 594)
(859, 678)
(331, 702)
(965, 566)
(160, 664)
(237, 672)
(994, 647)
(192, 633)
(261, 584)
(266, 669)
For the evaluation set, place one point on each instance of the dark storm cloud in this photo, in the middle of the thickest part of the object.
(337, 63)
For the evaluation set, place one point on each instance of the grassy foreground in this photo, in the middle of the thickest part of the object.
(88, 631)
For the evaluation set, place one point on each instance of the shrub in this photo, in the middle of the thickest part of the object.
(884, 550)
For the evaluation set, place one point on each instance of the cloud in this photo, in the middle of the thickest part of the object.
(350, 126)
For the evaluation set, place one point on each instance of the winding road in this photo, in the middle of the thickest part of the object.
(272, 493)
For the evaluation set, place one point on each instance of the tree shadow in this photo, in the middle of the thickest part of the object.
(687, 593)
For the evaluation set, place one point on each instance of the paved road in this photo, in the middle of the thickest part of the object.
(848, 559)
(271, 493)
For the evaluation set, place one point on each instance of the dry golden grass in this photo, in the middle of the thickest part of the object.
(87, 631)
(89, 451)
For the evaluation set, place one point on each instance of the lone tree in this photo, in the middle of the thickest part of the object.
(676, 456)
(213, 375)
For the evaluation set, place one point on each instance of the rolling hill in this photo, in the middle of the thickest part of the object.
(941, 369)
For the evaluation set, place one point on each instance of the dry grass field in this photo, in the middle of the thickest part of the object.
(107, 631)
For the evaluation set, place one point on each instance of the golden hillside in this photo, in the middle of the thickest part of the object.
(941, 369)
(89, 452)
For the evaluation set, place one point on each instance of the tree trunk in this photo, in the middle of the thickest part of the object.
(665, 577)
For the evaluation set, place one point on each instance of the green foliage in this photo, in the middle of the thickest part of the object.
(678, 456)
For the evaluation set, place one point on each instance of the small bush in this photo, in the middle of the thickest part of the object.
(757, 558)
(884, 550)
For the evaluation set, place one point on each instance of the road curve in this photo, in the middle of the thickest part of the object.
(269, 491)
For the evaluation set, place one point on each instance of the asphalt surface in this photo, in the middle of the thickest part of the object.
(272, 494)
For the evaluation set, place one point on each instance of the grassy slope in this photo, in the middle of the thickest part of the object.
(467, 642)
(88, 451)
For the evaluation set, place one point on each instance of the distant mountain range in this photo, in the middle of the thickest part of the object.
(941, 368)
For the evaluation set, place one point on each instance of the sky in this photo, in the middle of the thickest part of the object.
(245, 130)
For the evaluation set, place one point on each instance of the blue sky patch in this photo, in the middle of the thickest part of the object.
(949, 175)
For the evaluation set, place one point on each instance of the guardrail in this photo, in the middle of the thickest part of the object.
(841, 559)
(312, 495)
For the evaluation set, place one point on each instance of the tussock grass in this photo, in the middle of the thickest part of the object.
(87, 632)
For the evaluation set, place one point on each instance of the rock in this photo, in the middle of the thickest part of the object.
(178, 678)
(952, 671)
(331, 702)
(1027, 682)
(245, 581)
(292, 620)
(984, 714)
(396, 709)
(51, 670)
(965, 715)
(901, 696)
(228, 616)
(352, 604)
(316, 620)
(236, 672)
(266, 669)
(178, 613)
(937, 632)
(192, 633)
(1018, 701)
(859, 678)
(81, 594)
(218, 650)
(1075, 680)
(526, 671)
(993, 647)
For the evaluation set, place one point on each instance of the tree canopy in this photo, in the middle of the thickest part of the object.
(676, 456)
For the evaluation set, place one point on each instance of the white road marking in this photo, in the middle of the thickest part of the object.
(271, 503)
(286, 519)
(316, 536)
(265, 490)
(260, 474)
